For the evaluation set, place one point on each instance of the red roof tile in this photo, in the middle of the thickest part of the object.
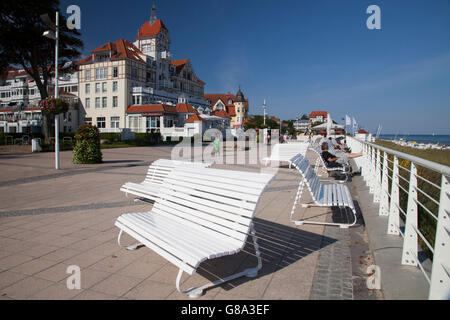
(119, 50)
(214, 97)
(314, 114)
(222, 114)
(152, 108)
(194, 118)
(148, 30)
(185, 108)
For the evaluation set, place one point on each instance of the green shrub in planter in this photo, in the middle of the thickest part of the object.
(87, 145)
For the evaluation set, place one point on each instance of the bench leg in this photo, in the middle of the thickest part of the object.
(129, 247)
(340, 225)
(250, 272)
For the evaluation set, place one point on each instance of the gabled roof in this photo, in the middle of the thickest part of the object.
(194, 118)
(150, 30)
(120, 49)
(214, 97)
(152, 108)
(314, 114)
(179, 64)
(185, 108)
(221, 113)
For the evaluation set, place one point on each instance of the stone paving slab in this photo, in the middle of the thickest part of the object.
(50, 220)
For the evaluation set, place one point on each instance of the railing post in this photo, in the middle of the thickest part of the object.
(410, 245)
(365, 171)
(384, 198)
(440, 279)
(394, 217)
(376, 196)
(372, 178)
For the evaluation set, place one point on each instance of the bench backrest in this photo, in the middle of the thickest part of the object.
(289, 150)
(309, 175)
(219, 202)
(159, 169)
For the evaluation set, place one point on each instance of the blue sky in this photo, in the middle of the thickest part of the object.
(305, 55)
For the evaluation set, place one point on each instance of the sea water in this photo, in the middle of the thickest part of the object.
(427, 138)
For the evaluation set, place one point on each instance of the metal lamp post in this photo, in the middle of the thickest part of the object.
(55, 36)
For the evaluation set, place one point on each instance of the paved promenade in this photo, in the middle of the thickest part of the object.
(51, 219)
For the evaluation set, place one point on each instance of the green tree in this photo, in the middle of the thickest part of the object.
(22, 43)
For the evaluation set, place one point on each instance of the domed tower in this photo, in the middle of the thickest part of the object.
(241, 108)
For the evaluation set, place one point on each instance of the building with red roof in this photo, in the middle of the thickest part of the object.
(318, 116)
(230, 106)
(124, 83)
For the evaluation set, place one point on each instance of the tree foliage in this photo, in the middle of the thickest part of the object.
(23, 45)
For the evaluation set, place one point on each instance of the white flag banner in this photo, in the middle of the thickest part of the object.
(348, 121)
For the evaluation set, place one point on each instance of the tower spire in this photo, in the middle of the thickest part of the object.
(153, 16)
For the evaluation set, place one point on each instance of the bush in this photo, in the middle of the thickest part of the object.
(87, 145)
(113, 137)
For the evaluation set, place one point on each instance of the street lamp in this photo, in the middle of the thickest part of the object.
(54, 35)
(264, 107)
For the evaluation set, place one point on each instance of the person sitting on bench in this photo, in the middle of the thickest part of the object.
(333, 161)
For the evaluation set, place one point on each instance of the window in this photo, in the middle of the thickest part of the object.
(101, 122)
(87, 105)
(88, 120)
(87, 75)
(146, 47)
(238, 109)
(153, 122)
(134, 73)
(115, 122)
(104, 102)
(115, 87)
(97, 103)
(135, 122)
(101, 73)
(87, 88)
(104, 87)
(97, 87)
(115, 72)
(115, 102)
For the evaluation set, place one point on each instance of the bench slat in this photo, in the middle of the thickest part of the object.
(163, 253)
(227, 220)
(226, 235)
(175, 234)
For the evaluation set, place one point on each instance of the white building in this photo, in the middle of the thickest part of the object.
(120, 75)
(20, 97)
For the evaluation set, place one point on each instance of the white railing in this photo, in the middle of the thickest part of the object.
(404, 194)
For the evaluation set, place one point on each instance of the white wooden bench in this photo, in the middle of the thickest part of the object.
(157, 171)
(199, 214)
(284, 152)
(323, 194)
(320, 162)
